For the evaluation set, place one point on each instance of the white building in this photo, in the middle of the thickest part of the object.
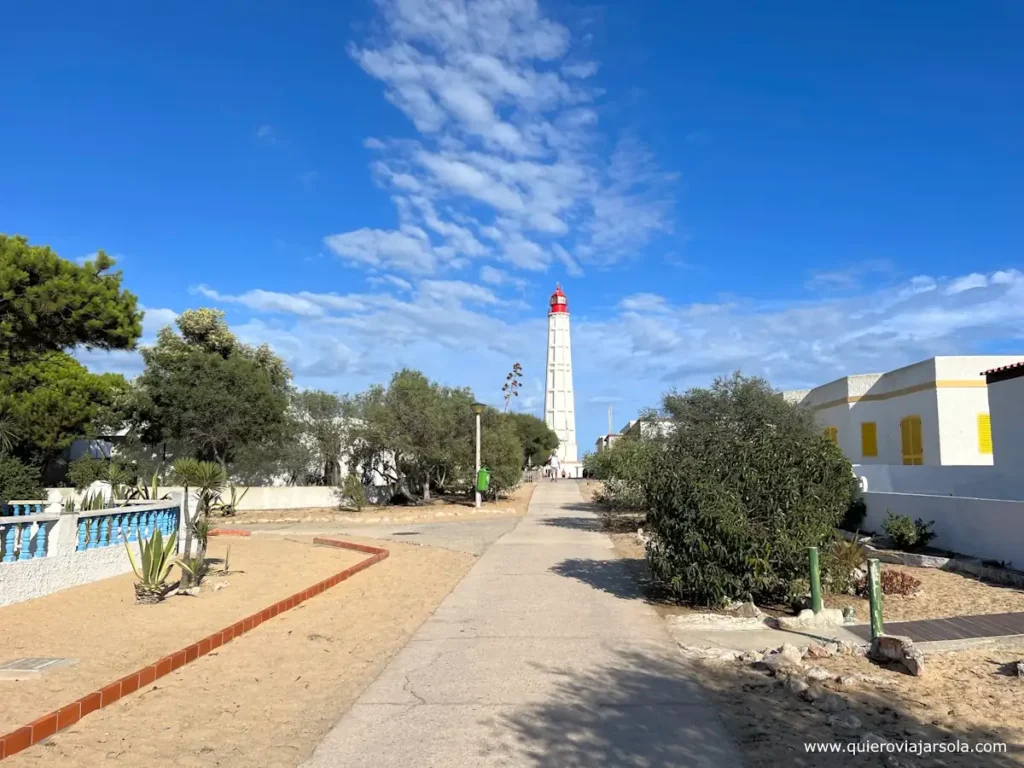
(1006, 403)
(935, 412)
(559, 399)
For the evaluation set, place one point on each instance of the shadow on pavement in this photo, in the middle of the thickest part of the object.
(641, 711)
(574, 523)
(620, 577)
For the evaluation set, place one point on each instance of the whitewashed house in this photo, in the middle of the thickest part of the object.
(935, 412)
(1006, 404)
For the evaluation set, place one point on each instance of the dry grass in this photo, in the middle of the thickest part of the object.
(270, 696)
(439, 510)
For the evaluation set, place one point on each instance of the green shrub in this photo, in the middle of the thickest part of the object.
(502, 453)
(19, 481)
(744, 485)
(351, 492)
(854, 516)
(908, 535)
(622, 469)
(844, 559)
(85, 471)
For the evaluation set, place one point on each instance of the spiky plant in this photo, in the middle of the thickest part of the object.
(157, 558)
(230, 507)
(184, 471)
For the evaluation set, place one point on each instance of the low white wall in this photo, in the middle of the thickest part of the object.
(257, 497)
(990, 529)
(64, 565)
(974, 482)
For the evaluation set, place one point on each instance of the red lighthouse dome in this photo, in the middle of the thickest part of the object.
(558, 301)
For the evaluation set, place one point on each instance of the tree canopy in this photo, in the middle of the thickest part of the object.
(537, 438)
(208, 392)
(48, 304)
(54, 400)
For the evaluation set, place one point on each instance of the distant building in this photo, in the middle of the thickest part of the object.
(1006, 405)
(648, 426)
(935, 412)
(559, 398)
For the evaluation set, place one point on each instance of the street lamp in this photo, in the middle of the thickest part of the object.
(477, 409)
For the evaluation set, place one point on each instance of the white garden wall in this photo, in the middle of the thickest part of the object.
(974, 482)
(990, 529)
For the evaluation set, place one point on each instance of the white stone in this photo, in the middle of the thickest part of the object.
(807, 619)
(220, 585)
(849, 723)
(796, 686)
(818, 673)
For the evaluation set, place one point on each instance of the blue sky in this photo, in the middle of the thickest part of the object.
(794, 189)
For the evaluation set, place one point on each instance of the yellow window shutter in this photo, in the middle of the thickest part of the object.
(984, 433)
(868, 438)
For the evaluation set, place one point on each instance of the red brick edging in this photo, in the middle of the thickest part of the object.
(229, 532)
(47, 725)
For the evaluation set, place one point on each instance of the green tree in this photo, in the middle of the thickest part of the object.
(209, 393)
(323, 419)
(54, 400)
(745, 483)
(501, 451)
(537, 438)
(48, 304)
(18, 481)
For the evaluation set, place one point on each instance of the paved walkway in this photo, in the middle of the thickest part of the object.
(543, 655)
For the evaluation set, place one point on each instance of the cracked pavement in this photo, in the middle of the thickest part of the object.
(544, 655)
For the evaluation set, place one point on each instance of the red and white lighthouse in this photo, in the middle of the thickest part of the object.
(559, 400)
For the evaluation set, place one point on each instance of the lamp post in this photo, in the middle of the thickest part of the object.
(477, 408)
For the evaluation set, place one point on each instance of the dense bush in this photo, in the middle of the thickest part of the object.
(502, 453)
(854, 516)
(622, 469)
(906, 534)
(846, 561)
(19, 481)
(745, 484)
(85, 471)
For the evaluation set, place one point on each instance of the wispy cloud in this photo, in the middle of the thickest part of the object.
(848, 278)
(510, 163)
(267, 134)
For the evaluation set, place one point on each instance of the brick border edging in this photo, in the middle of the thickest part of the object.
(46, 726)
(229, 532)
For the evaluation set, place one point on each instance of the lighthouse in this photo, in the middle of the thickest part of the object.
(559, 402)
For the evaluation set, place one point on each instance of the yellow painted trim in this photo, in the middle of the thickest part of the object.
(928, 385)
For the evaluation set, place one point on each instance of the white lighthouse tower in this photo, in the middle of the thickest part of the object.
(559, 402)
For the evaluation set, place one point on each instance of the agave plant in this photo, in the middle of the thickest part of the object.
(196, 568)
(150, 492)
(93, 502)
(230, 507)
(157, 560)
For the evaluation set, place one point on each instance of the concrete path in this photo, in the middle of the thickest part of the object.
(543, 655)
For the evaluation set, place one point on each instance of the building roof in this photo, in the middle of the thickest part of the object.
(1004, 372)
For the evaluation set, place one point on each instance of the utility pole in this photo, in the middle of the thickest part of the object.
(610, 407)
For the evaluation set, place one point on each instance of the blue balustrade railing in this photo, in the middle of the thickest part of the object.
(22, 508)
(113, 527)
(24, 538)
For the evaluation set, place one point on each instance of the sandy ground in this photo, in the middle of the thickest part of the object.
(943, 593)
(101, 625)
(964, 697)
(267, 698)
(515, 503)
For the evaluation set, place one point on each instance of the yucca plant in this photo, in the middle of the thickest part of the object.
(93, 502)
(150, 492)
(158, 557)
(196, 568)
(230, 507)
(208, 479)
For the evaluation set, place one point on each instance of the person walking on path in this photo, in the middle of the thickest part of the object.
(555, 466)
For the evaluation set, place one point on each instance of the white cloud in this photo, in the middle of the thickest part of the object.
(638, 348)
(966, 283)
(156, 318)
(266, 134)
(397, 282)
(405, 250)
(509, 147)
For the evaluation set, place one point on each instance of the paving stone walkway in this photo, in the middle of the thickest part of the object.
(543, 655)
